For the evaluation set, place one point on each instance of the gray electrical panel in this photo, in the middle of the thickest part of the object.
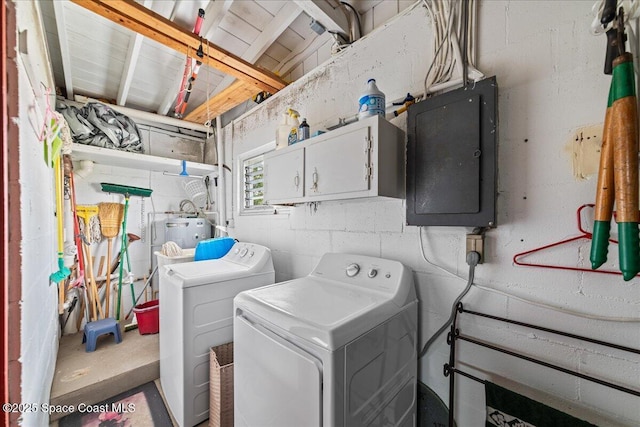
(451, 157)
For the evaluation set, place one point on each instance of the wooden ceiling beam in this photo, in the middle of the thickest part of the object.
(136, 17)
(230, 97)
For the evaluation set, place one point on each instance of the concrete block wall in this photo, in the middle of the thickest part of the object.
(549, 72)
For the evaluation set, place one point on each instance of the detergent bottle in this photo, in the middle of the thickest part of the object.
(294, 123)
(282, 132)
(372, 101)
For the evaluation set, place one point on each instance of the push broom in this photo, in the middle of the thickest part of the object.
(127, 191)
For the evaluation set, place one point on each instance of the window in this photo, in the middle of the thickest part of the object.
(250, 179)
(253, 182)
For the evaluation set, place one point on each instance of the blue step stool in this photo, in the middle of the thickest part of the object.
(93, 330)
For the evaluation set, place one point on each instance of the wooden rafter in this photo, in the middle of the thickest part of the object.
(131, 15)
(230, 97)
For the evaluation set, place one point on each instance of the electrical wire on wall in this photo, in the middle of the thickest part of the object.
(454, 22)
(472, 259)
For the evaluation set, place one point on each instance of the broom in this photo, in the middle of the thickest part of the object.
(111, 215)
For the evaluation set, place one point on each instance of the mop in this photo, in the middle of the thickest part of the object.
(81, 281)
(127, 191)
(168, 249)
(91, 232)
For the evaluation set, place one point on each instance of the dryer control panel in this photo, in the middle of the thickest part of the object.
(384, 275)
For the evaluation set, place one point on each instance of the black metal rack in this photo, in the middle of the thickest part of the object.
(450, 368)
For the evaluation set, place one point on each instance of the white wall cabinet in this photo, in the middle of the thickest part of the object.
(363, 159)
(284, 174)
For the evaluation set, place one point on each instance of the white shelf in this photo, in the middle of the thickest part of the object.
(107, 156)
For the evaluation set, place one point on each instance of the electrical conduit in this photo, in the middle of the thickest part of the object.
(222, 196)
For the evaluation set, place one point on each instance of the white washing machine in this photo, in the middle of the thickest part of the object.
(336, 348)
(196, 313)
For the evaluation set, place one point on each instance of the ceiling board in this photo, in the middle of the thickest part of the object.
(302, 26)
(251, 12)
(233, 44)
(290, 39)
(267, 62)
(272, 6)
(277, 51)
(112, 68)
(185, 12)
(233, 24)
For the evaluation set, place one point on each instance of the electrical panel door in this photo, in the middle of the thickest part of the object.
(451, 157)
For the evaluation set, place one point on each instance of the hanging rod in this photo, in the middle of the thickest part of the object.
(450, 370)
(554, 331)
(549, 365)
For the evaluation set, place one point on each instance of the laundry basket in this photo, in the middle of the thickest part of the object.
(221, 386)
(197, 191)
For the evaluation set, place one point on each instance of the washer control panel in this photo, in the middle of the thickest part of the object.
(247, 253)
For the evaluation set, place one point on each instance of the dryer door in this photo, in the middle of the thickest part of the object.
(276, 384)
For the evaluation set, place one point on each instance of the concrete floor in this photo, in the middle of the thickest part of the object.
(82, 377)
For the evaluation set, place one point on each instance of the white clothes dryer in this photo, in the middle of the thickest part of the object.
(196, 313)
(336, 348)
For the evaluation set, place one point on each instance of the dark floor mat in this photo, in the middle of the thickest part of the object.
(139, 407)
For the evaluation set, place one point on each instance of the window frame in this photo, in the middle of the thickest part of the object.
(240, 179)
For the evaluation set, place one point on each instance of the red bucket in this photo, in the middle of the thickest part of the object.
(147, 317)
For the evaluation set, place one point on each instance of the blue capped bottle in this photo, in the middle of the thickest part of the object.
(372, 101)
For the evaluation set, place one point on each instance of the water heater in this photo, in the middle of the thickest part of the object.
(186, 232)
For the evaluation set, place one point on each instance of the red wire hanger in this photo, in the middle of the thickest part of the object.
(517, 258)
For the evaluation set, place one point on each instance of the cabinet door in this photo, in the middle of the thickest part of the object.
(284, 177)
(338, 165)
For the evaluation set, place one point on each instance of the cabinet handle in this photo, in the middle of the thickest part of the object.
(296, 180)
(314, 178)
